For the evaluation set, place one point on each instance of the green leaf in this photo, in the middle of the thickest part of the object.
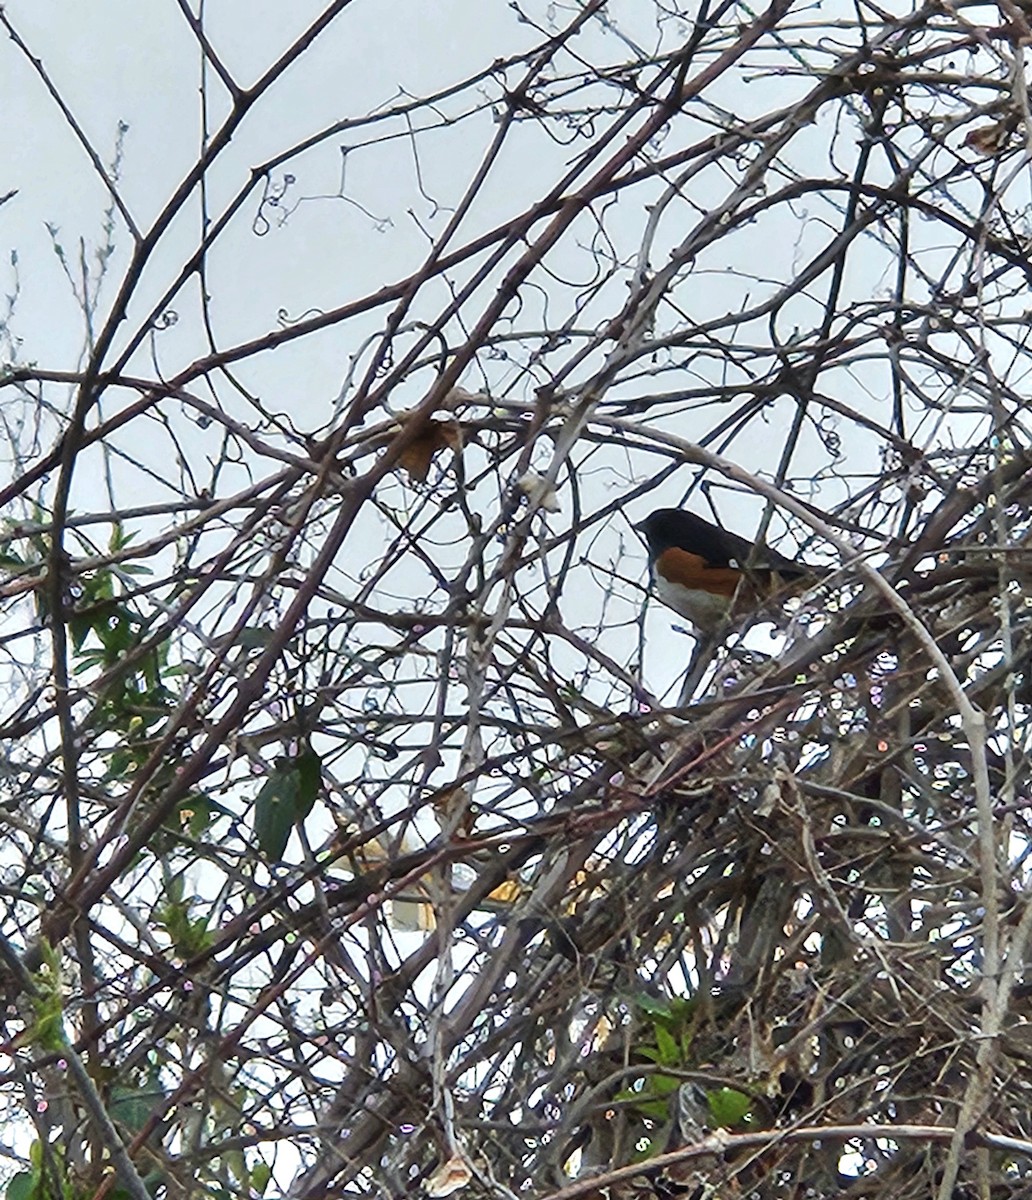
(658, 1110)
(261, 1174)
(119, 538)
(309, 775)
(190, 935)
(100, 586)
(80, 627)
(21, 1186)
(132, 1107)
(682, 1007)
(275, 810)
(92, 658)
(195, 812)
(234, 1160)
(47, 1030)
(728, 1106)
(644, 1152)
(113, 625)
(663, 1085)
(285, 799)
(253, 638)
(653, 1007)
(669, 1051)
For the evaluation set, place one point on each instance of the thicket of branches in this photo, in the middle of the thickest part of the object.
(361, 830)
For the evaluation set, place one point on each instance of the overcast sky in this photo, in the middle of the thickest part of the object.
(360, 207)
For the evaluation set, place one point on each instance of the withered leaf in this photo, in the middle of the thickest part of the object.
(419, 454)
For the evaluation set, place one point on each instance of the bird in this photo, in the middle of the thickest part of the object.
(709, 574)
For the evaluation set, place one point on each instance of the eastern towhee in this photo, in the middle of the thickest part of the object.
(704, 572)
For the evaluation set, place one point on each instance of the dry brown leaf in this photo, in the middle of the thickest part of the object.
(989, 140)
(451, 802)
(449, 1177)
(411, 916)
(419, 454)
(507, 892)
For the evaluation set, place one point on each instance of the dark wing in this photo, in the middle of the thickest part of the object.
(676, 529)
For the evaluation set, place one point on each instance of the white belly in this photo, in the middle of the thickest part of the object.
(705, 611)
